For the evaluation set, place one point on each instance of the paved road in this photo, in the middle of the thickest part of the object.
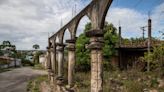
(16, 80)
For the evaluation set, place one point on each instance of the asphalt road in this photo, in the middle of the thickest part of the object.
(17, 79)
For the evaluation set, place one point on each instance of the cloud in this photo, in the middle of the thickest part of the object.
(28, 22)
(131, 20)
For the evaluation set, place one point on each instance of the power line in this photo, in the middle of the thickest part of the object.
(136, 5)
(143, 31)
(155, 2)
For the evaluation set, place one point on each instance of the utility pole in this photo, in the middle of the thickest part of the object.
(120, 40)
(149, 41)
(143, 31)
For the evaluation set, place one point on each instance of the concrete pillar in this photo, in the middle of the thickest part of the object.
(119, 50)
(49, 63)
(120, 38)
(149, 42)
(96, 44)
(52, 65)
(71, 62)
(60, 50)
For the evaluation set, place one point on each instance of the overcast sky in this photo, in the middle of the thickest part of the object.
(28, 22)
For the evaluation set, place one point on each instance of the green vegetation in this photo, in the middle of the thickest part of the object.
(38, 67)
(156, 58)
(122, 81)
(33, 85)
(115, 80)
(36, 46)
(83, 58)
(83, 54)
(4, 70)
(36, 56)
(27, 62)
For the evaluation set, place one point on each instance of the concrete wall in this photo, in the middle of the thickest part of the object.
(12, 64)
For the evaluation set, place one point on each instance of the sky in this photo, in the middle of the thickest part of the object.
(28, 22)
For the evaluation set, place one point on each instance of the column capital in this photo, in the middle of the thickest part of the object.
(60, 46)
(71, 41)
(51, 49)
(71, 44)
(96, 39)
(95, 33)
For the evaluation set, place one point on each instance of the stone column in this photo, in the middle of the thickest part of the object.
(96, 44)
(71, 62)
(49, 63)
(60, 50)
(52, 65)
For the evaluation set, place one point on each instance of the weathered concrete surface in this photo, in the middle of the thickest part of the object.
(17, 79)
(60, 60)
(96, 71)
(71, 61)
(96, 44)
(71, 66)
(96, 11)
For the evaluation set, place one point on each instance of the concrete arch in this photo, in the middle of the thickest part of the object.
(67, 35)
(72, 26)
(60, 35)
(81, 20)
(56, 39)
(96, 12)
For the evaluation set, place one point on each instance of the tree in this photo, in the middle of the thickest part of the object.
(36, 54)
(36, 46)
(11, 50)
(83, 58)
(110, 39)
(36, 57)
(6, 43)
(83, 54)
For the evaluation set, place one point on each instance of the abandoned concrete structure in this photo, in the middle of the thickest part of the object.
(128, 54)
(96, 11)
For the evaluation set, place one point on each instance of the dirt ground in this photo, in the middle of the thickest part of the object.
(16, 80)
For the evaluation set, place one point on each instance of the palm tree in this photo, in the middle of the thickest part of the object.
(36, 46)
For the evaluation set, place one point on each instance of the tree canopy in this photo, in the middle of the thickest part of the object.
(36, 46)
(83, 54)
